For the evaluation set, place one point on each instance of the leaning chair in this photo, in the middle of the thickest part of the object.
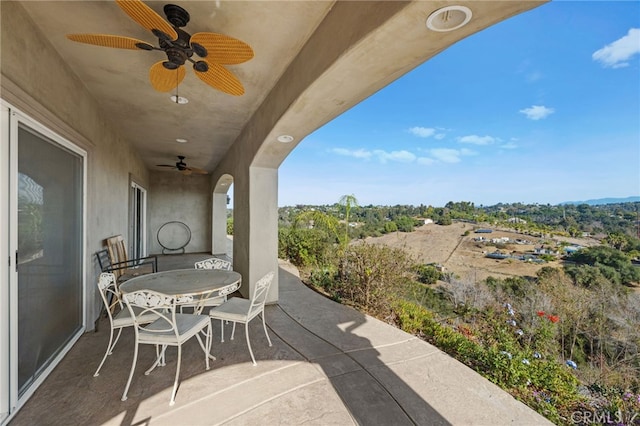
(170, 329)
(119, 315)
(120, 263)
(239, 310)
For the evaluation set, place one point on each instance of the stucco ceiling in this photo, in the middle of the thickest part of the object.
(278, 31)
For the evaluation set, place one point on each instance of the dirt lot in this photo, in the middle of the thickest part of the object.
(465, 257)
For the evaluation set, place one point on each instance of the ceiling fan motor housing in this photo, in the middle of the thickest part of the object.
(181, 165)
(176, 15)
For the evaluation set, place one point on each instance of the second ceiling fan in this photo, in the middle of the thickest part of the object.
(182, 167)
(215, 50)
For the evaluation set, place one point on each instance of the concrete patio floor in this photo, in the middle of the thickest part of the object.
(329, 365)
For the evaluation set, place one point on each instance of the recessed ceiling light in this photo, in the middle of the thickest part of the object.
(179, 100)
(449, 18)
(181, 140)
(285, 138)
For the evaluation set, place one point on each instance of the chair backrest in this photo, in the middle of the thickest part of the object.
(260, 294)
(109, 290)
(104, 260)
(213, 263)
(153, 302)
(117, 249)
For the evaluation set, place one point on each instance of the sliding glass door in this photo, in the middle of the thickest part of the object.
(46, 246)
(137, 222)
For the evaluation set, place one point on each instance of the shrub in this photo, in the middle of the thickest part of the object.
(495, 348)
(427, 274)
(303, 247)
(371, 276)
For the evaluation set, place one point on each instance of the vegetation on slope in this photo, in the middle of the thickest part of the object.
(564, 342)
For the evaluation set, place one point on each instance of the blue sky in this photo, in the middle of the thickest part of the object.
(541, 108)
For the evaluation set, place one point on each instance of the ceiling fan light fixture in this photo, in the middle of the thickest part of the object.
(449, 18)
(179, 99)
(285, 138)
(181, 140)
(199, 50)
(201, 66)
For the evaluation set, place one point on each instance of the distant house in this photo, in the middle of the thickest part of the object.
(501, 240)
(572, 249)
(428, 221)
(543, 250)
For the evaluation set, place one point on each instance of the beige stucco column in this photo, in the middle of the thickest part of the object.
(255, 230)
(263, 219)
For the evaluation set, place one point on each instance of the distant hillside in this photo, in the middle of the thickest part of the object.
(600, 201)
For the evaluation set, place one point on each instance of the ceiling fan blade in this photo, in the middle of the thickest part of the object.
(197, 170)
(145, 16)
(165, 165)
(106, 40)
(163, 79)
(222, 49)
(222, 79)
(186, 172)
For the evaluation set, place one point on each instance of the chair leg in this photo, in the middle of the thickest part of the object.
(221, 331)
(233, 330)
(206, 346)
(133, 367)
(264, 325)
(159, 360)
(246, 332)
(110, 346)
(175, 383)
(207, 353)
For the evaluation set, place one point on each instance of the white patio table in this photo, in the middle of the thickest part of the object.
(187, 285)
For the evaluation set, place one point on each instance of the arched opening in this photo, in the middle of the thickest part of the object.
(222, 217)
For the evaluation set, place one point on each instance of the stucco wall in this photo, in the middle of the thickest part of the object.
(187, 199)
(42, 86)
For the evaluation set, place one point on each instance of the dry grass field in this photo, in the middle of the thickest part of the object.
(461, 255)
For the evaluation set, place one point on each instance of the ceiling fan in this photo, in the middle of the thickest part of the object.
(216, 50)
(182, 167)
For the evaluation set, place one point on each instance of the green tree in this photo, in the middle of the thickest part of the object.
(348, 202)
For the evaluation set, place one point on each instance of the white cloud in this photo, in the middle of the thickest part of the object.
(616, 54)
(477, 140)
(425, 161)
(466, 152)
(382, 155)
(537, 112)
(399, 156)
(446, 155)
(422, 132)
(358, 153)
(509, 145)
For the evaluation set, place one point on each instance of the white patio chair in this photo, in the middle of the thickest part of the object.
(212, 263)
(239, 310)
(119, 315)
(170, 329)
